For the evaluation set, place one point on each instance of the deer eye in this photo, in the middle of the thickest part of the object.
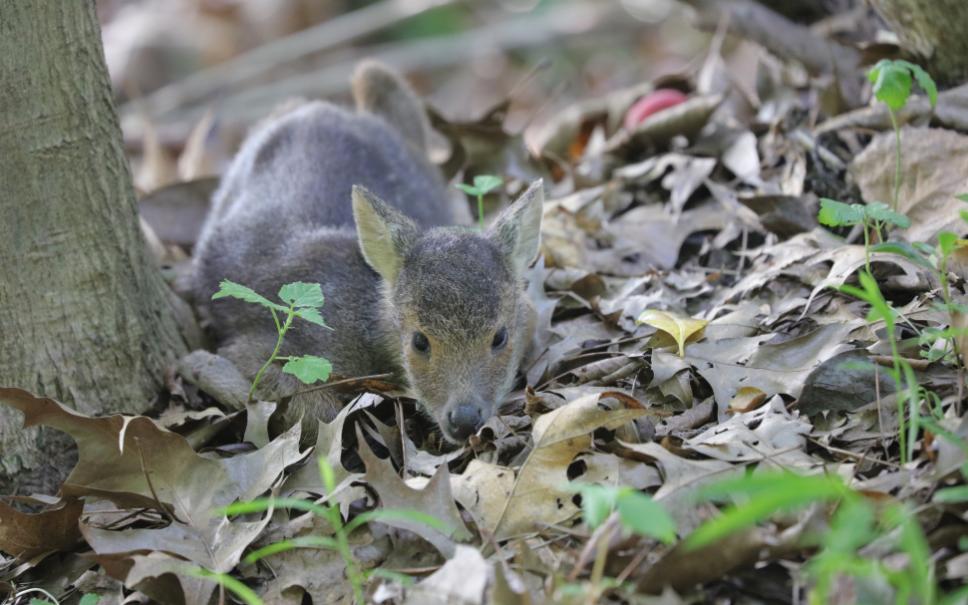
(500, 339)
(420, 342)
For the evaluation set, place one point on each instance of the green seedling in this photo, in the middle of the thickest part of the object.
(483, 184)
(856, 524)
(907, 388)
(301, 300)
(892, 82)
(637, 514)
(872, 217)
(935, 259)
(338, 540)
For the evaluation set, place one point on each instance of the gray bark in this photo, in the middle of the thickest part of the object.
(84, 312)
(934, 32)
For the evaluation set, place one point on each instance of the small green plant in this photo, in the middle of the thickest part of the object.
(855, 523)
(483, 184)
(872, 217)
(637, 514)
(301, 300)
(338, 541)
(892, 82)
(907, 389)
(936, 260)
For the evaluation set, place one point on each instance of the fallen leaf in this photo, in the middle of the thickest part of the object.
(935, 170)
(434, 499)
(679, 328)
(27, 535)
(461, 580)
(540, 491)
(747, 399)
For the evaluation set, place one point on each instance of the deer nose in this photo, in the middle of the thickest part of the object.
(464, 420)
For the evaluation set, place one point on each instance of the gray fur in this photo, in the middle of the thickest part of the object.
(287, 210)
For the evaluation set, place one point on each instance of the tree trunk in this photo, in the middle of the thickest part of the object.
(934, 31)
(84, 314)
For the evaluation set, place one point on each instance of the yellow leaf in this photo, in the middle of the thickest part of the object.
(680, 328)
(747, 399)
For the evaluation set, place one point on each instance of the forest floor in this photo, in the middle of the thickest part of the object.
(748, 384)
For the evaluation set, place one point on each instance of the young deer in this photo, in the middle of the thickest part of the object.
(349, 200)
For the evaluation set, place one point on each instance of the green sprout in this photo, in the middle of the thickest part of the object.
(341, 531)
(856, 524)
(637, 513)
(874, 216)
(907, 388)
(301, 300)
(483, 184)
(892, 82)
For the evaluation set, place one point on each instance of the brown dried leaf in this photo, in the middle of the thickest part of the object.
(934, 168)
(434, 499)
(540, 491)
(27, 535)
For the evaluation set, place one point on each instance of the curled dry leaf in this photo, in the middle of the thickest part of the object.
(540, 491)
(26, 535)
(674, 329)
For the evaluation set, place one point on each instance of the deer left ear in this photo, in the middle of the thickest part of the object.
(517, 230)
(385, 235)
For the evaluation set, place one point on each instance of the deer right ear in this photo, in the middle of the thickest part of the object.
(385, 234)
(517, 230)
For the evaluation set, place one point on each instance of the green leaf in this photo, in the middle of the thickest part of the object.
(486, 182)
(879, 211)
(483, 183)
(963, 197)
(302, 294)
(327, 475)
(284, 545)
(36, 601)
(645, 516)
(769, 493)
(230, 289)
(947, 241)
(906, 250)
(924, 79)
(394, 576)
(851, 527)
(311, 315)
(597, 503)
(243, 592)
(952, 495)
(964, 215)
(838, 214)
(308, 368)
(263, 504)
(892, 84)
(89, 599)
(871, 294)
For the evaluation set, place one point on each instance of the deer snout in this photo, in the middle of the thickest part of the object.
(464, 420)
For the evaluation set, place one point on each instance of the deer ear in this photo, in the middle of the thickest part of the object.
(517, 230)
(385, 235)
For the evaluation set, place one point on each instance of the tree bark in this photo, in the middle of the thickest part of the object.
(85, 316)
(934, 31)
